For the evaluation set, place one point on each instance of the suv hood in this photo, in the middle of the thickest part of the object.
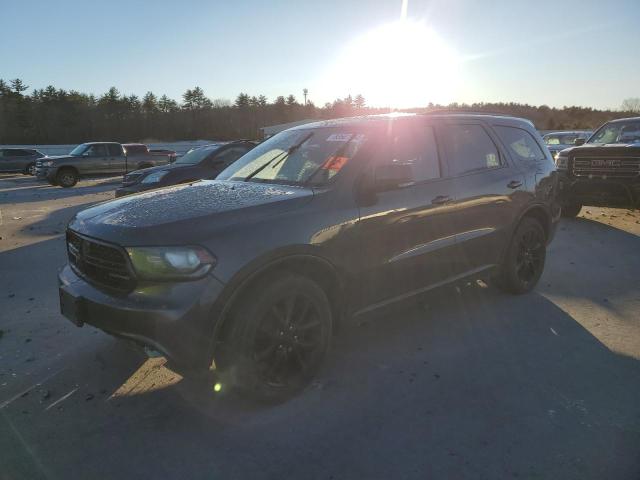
(186, 213)
(55, 157)
(608, 148)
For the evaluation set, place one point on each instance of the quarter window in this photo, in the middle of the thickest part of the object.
(469, 148)
(520, 143)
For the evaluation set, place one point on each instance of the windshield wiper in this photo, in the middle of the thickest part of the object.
(280, 157)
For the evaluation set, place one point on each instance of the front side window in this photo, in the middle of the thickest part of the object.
(230, 155)
(469, 148)
(520, 143)
(96, 151)
(298, 157)
(415, 145)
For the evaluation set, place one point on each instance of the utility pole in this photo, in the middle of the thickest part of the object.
(305, 92)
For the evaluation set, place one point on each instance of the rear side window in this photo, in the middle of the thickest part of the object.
(415, 145)
(115, 150)
(520, 143)
(469, 148)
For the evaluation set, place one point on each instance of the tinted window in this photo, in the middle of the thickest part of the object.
(114, 150)
(97, 151)
(14, 152)
(230, 155)
(520, 143)
(132, 149)
(469, 148)
(415, 145)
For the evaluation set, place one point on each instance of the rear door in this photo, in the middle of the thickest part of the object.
(488, 189)
(118, 161)
(14, 159)
(408, 238)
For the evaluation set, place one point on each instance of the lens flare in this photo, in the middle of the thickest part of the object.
(400, 64)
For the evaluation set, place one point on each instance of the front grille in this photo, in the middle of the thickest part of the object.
(608, 167)
(100, 263)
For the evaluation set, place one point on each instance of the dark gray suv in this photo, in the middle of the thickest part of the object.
(248, 275)
(19, 160)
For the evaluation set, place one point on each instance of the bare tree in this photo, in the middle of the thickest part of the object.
(631, 105)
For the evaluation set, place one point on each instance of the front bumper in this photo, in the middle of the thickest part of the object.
(46, 173)
(174, 318)
(612, 192)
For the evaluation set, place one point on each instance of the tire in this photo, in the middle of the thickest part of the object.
(571, 210)
(279, 337)
(30, 169)
(524, 261)
(67, 177)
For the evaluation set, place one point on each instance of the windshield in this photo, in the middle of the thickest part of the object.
(196, 156)
(618, 132)
(320, 155)
(79, 150)
(559, 139)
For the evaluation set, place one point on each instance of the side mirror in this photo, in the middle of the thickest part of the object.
(579, 141)
(394, 175)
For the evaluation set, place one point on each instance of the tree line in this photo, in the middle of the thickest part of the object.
(56, 116)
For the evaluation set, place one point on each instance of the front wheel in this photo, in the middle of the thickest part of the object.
(524, 262)
(571, 210)
(30, 169)
(279, 337)
(67, 178)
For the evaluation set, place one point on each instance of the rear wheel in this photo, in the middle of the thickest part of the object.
(524, 262)
(571, 210)
(279, 337)
(67, 178)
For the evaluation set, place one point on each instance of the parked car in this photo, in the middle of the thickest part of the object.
(19, 160)
(557, 141)
(204, 163)
(165, 151)
(250, 273)
(604, 171)
(96, 158)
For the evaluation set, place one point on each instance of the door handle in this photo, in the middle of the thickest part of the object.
(514, 184)
(440, 199)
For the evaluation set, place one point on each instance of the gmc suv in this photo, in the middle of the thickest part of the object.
(246, 276)
(604, 171)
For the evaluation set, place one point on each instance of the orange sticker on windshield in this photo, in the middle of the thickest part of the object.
(335, 163)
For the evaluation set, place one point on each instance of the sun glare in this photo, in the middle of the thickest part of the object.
(400, 64)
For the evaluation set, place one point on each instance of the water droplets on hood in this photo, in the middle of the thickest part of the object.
(186, 201)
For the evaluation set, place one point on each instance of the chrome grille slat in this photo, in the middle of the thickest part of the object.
(99, 263)
(611, 167)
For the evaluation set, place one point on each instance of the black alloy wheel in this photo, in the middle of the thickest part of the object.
(280, 337)
(524, 261)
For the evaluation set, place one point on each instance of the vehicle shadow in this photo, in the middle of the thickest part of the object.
(29, 190)
(55, 222)
(470, 384)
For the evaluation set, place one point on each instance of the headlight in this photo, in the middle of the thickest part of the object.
(171, 263)
(561, 162)
(48, 163)
(154, 177)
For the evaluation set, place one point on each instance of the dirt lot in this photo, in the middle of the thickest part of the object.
(471, 384)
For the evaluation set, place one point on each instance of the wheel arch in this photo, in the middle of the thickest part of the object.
(539, 213)
(305, 263)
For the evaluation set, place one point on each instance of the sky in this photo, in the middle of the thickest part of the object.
(551, 52)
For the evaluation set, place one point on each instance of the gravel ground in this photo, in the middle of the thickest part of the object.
(471, 383)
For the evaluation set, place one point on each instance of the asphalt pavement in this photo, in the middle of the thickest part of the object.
(470, 383)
